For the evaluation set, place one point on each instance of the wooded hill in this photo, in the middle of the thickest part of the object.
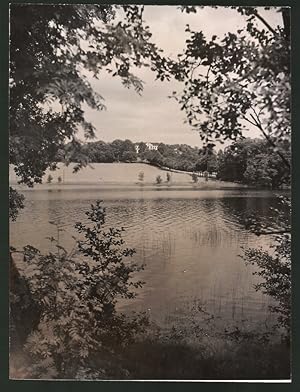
(247, 161)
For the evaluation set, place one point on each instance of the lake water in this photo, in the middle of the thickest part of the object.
(189, 240)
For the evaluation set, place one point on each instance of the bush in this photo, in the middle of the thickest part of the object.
(49, 179)
(158, 180)
(141, 176)
(194, 177)
(77, 293)
(274, 266)
(275, 271)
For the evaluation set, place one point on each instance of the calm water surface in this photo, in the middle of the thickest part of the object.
(189, 241)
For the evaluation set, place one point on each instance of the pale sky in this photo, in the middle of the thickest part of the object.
(153, 116)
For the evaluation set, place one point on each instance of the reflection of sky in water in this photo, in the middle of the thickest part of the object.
(189, 241)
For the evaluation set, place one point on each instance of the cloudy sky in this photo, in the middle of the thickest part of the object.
(153, 116)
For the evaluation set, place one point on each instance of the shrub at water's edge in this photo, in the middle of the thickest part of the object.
(274, 266)
(76, 294)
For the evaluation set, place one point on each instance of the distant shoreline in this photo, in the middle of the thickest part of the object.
(143, 188)
(125, 175)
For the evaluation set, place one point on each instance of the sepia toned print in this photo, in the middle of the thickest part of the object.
(150, 176)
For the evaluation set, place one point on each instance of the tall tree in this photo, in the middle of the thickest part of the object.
(240, 80)
(253, 161)
(52, 48)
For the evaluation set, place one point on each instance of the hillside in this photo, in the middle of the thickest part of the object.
(119, 174)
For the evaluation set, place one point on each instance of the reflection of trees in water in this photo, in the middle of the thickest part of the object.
(232, 216)
(225, 227)
(239, 208)
(242, 208)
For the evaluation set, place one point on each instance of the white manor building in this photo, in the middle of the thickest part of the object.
(150, 147)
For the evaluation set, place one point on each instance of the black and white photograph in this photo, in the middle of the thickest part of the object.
(149, 192)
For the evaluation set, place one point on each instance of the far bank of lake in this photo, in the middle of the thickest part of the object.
(123, 175)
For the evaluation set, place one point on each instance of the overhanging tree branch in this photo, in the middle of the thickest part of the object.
(258, 16)
(269, 139)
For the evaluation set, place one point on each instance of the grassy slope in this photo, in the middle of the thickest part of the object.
(125, 174)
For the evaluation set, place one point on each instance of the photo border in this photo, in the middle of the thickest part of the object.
(32, 385)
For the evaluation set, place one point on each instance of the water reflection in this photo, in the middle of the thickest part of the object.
(189, 241)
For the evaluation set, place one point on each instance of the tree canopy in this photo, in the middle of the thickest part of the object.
(237, 81)
(254, 162)
(52, 48)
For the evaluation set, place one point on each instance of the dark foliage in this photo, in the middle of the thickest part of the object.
(48, 82)
(254, 162)
(76, 294)
(239, 80)
(16, 203)
(274, 265)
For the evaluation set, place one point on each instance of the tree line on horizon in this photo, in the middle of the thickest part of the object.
(248, 161)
